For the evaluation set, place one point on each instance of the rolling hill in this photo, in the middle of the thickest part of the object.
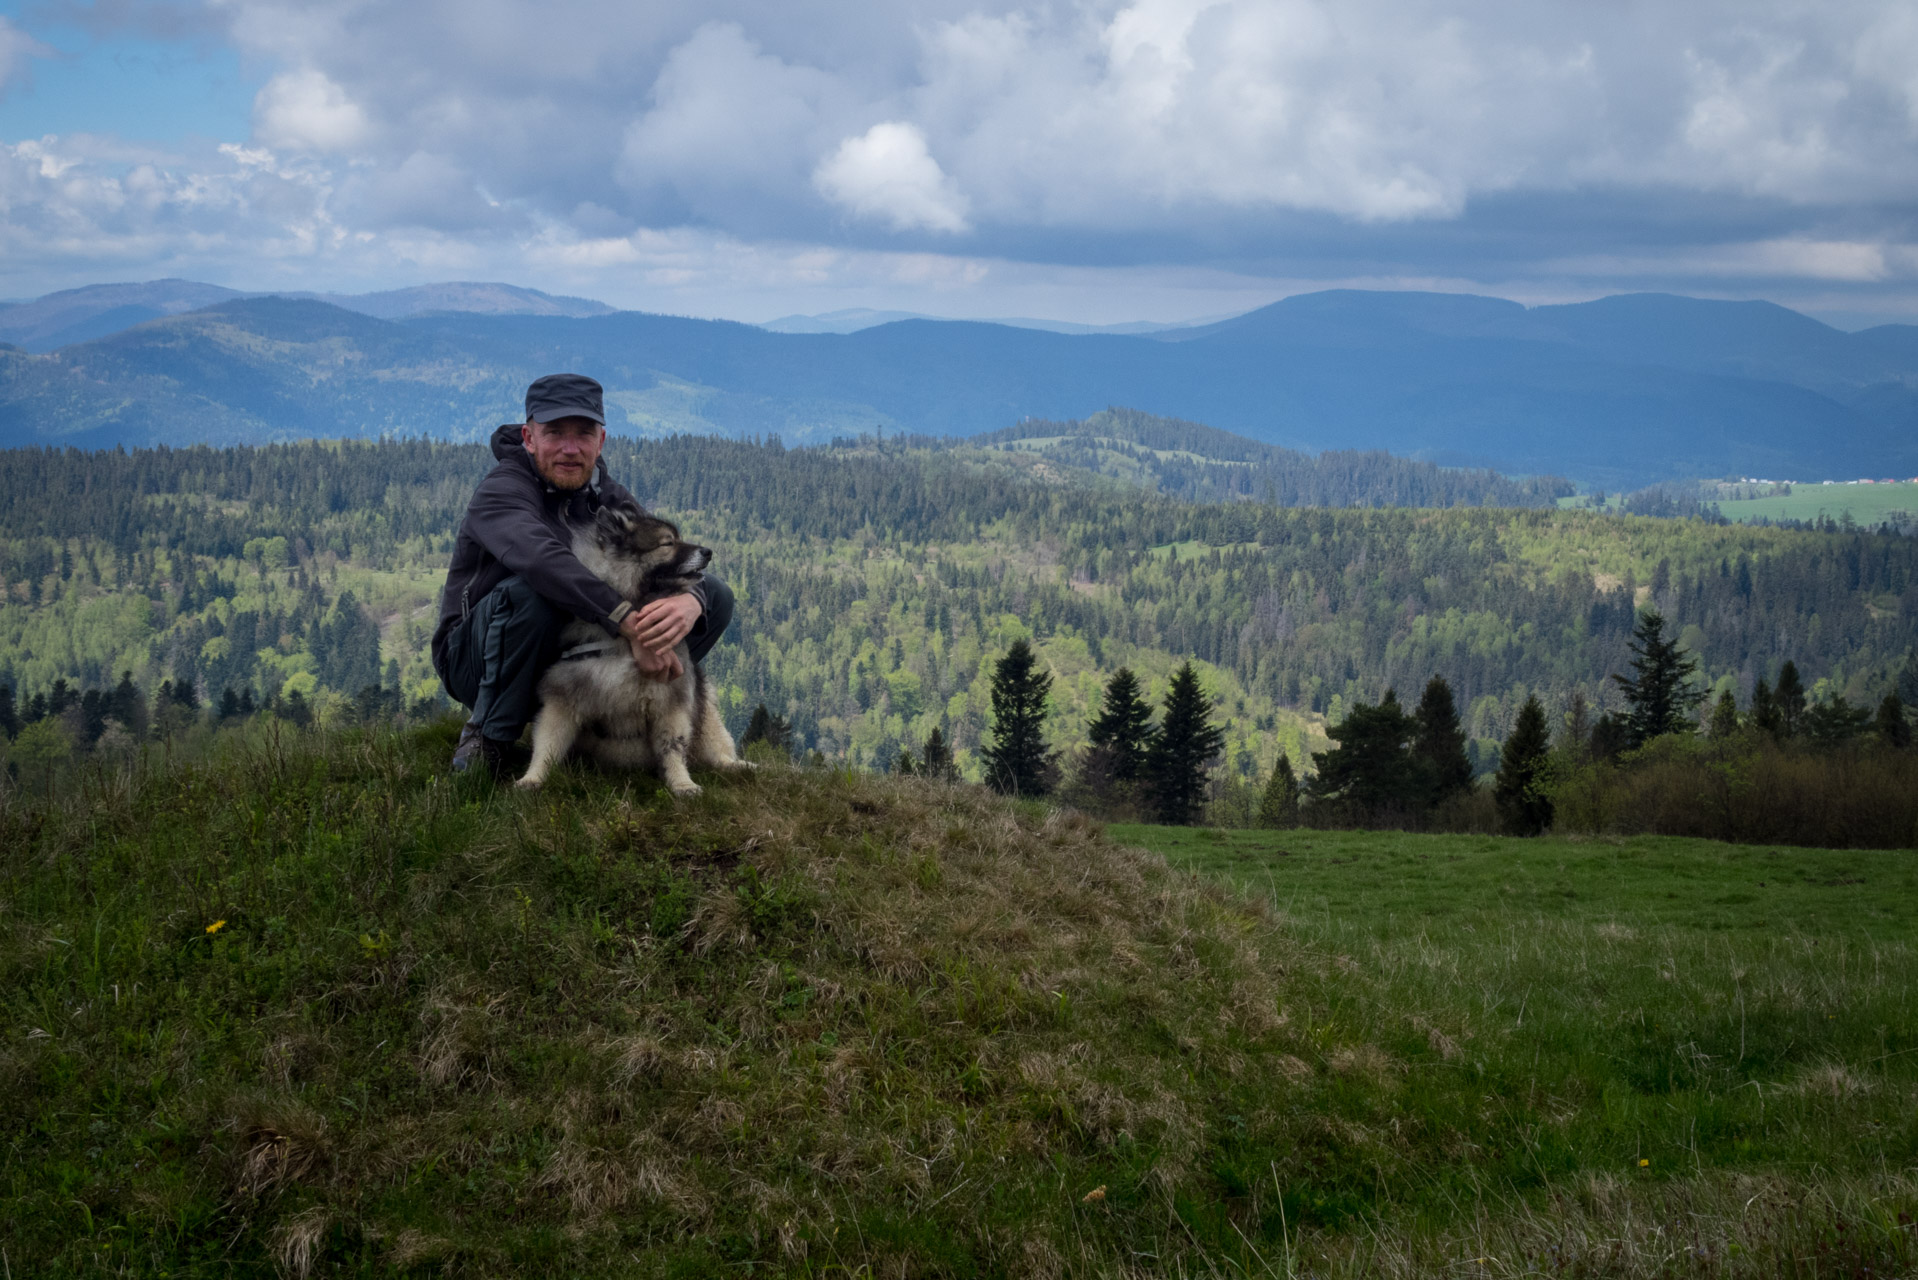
(1619, 392)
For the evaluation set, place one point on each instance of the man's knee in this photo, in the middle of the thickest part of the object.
(719, 607)
(528, 607)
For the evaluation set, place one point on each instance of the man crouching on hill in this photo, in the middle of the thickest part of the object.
(514, 582)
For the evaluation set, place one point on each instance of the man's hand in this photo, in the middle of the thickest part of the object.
(655, 630)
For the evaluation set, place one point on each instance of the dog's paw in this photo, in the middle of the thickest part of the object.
(686, 792)
(528, 783)
(738, 766)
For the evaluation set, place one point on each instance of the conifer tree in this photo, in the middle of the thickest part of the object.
(1370, 772)
(936, 758)
(1183, 750)
(1892, 728)
(1017, 762)
(1725, 716)
(9, 715)
(1659, 691)
(1764, 713)
(128, 706)
(1790, 697)
(903, 765)
(1123, 726)
(1524, 804)
(1835, 721)
(765, 727)
(1439, 747)
(1279, 807)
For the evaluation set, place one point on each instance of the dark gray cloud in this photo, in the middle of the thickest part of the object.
(1537, 149)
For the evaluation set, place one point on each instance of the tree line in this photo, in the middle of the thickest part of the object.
(878, 584)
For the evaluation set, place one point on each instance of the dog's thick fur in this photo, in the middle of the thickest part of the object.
(601, 704)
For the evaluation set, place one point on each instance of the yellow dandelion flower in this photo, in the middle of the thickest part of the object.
(216, 926)
(1644, 1164)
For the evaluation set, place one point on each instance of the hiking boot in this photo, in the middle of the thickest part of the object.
(501, 759)
(467, 751)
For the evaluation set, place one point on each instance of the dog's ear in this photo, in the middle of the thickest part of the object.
(615, 519)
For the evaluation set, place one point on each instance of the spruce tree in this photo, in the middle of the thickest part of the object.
(1835, 721)
(128, 706)
(1764, 713)
(1123, 727)
(1524, 804)
(765, 727)
(936, 759)
(1183, 750)
(903, 765)
(1439, 747)
(1279, 808)
(1659, 691)
(1370, 773)
(9, 716)
(1790, 697)
(1017, 762)
(1725, 716)
(1892, 728)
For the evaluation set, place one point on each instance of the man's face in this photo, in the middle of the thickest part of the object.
(565, 450)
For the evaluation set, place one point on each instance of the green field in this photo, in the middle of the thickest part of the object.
(1718, 1011)
(1867, 504)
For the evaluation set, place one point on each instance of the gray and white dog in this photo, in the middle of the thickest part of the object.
(595, 699)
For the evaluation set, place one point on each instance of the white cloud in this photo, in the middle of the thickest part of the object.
(1759, 140)
(16, 47)
(730, 128)
(305, 111)
(887, 174)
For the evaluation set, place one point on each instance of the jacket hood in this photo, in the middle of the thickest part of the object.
(506, 441)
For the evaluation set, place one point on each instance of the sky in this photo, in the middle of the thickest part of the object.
(1098, 161)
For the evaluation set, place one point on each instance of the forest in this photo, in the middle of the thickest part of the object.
(878, 579)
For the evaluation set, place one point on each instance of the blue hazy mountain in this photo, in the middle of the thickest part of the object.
(101, 310)
(1621, 391)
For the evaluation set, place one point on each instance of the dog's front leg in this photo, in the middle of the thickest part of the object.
(553, 735)
(672, 735)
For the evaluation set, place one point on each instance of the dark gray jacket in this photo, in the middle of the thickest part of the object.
(519, 525)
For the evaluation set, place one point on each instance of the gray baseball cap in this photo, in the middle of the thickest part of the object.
(565, 395)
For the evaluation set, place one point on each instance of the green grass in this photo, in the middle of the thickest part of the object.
(309, 1006)
(1868, 504)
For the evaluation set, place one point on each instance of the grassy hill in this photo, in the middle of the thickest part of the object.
(310, 1006)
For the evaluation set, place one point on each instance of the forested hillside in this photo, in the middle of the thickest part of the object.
(876, 581)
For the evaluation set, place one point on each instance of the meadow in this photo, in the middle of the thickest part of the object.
(1868, 505)
(302, 1004)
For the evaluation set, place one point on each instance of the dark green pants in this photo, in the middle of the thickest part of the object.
(496, 654)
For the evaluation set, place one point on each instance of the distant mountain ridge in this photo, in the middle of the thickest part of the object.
(1620, 392)
(101, 310)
